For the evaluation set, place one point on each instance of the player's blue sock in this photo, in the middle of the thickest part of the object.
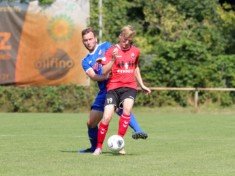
(92, 133)
(133, 122)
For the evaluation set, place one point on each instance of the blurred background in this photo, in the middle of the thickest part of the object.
(183, 44)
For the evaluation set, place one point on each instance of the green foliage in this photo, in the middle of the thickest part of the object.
(183, 44)
(113, 13)
(42, 2)
(44, 99)
(46, 2)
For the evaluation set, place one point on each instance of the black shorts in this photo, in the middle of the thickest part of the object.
(117, 96)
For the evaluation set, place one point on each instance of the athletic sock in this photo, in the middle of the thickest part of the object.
(92, 133)
(124, 121)
(134, 124)
(101, 134)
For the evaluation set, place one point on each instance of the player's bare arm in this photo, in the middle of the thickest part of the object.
(140, 81)
(95, 77)
(107, 68)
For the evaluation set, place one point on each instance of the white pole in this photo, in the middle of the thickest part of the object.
(196, 100)
(100, 21)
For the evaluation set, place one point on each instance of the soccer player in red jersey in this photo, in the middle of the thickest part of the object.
(121, 62)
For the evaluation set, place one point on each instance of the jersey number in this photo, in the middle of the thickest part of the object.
(109, 100)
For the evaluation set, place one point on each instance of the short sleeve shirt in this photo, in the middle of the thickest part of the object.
(123, 71)
(90, 62)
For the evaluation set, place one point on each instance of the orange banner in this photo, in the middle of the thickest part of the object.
(50, 47)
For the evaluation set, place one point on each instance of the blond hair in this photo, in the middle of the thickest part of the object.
(128, 31)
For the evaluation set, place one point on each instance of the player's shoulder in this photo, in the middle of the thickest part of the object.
(105, 45)
(133, 47)
(84, 62)
(85, 58)
(112, 47)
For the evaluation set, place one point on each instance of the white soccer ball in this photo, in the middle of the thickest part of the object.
(115, 143)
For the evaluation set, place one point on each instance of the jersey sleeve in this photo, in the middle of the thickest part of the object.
(104, 47)
(107, 45)
(108, 56)
(85, 65)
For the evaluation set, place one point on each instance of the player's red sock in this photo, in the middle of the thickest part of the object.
(124, 121)
(101, 134)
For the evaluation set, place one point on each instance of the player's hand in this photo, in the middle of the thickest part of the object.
(115, 54)
(146, 90)
(100, 59)
(107, 76)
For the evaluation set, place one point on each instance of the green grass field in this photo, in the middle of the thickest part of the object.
(180, 143)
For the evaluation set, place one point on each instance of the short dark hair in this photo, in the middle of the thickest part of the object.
(87, 30)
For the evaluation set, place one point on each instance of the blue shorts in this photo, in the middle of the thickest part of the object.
(98, 104)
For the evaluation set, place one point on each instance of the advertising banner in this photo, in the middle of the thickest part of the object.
(42, 45)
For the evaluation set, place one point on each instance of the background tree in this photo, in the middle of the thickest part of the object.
(183, 43)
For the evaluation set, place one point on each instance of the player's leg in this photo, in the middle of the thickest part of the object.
(138, 132)
(103, 128)
(126, 97)
(92, 125)
(92, 129)
(133, 122)
(95, 116)
(109, 108)
(124, 120)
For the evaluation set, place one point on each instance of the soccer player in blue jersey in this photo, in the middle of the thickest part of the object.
(93, 68)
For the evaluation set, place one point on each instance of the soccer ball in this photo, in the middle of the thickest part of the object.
(115, 143)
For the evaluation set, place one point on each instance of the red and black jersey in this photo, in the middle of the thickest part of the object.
(123, 70)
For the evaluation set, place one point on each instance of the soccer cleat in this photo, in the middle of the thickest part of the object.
(88, 150)
(122, 152)
(97, 152)
(140, 135)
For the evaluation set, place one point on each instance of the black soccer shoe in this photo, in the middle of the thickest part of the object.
(88, 150)
(140, 135)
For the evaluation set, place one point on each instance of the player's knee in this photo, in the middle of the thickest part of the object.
(91, 124)
(106, 120)
(126, 112)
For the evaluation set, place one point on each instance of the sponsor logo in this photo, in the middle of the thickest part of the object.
(132, 55)
(124, 125)
(102, 131)
(125, 122)
(125, 71)
(61, 28)
(126, 67)
(5, 46)
(123, 64)
(100, 53)
(96, 67)
(4, 41)
(54, 66)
